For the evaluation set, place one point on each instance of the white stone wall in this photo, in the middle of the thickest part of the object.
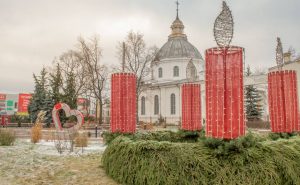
(164, 94)
(167, 66)
(164, 91)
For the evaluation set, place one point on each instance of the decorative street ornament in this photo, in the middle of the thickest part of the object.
(224, 82)
(69, 112)
(191, 107)
(283, 101)
(123, 103)
(224, 92)
(279, 54)
(223, 27)
(283, 97)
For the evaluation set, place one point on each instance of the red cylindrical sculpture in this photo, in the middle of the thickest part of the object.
(123, 103)
(283, 101)
(191, 107)
(224, 92)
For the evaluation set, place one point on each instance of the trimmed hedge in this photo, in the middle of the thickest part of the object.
(172, 136)
(246, 160)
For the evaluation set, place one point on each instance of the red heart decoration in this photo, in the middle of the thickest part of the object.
(69, 112)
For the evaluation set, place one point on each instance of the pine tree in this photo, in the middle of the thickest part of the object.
(70, 96)
(253, 98)
(56, 85)
(41, 99)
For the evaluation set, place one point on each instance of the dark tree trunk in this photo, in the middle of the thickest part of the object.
(100, 112)
(137, 109)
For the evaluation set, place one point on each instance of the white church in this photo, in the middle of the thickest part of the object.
(177, 62)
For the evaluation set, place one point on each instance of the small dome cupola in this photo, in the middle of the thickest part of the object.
(177, 45)
(177, 26)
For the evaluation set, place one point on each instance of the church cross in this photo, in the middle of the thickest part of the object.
(177, 4)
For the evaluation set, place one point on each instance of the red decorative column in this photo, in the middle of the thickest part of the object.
(191, 107)
(123, 103)
(283, 101)
(224, 92)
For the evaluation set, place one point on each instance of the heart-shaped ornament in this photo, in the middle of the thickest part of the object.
(69, 112)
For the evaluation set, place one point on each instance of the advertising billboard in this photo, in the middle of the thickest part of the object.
(2, 104)
(24, 100)
(2, 97)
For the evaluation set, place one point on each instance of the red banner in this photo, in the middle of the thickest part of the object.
(283, 101)
(191, 107)
(24, 100)
(2, 96)
(123, 103)
(224, 93)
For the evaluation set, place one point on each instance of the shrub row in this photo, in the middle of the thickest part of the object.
(172, 136)
(247, 160)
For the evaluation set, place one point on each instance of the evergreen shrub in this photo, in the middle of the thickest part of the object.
(248, 160)
(172, 136)
(275, 136)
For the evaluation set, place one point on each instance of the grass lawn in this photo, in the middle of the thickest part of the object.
(24, 163)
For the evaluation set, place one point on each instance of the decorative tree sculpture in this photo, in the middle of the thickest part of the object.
(224, 82)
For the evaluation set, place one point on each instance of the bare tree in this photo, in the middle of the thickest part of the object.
(71, 62)
(137, 59)
(260, 71)
(96, 72)
(294, 54)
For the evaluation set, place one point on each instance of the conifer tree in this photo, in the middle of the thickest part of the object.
(56, 84)
(41, 99)
(70, 96)
(252, 101)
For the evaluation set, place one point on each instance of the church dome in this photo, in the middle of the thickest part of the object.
(177, 45)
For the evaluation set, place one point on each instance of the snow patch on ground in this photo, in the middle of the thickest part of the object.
(48, 148)
(28, 163)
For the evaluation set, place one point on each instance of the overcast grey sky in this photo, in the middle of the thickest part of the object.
(34, 32)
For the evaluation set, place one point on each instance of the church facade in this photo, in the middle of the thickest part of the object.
(177, 62)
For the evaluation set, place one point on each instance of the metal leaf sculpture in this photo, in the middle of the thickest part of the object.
(223, 27)
(279, 53)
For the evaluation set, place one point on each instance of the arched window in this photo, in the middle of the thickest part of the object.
(160, 72)
(173, 106)
(156, 105)
(191, 71)
(143, 106)
(176, 71)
